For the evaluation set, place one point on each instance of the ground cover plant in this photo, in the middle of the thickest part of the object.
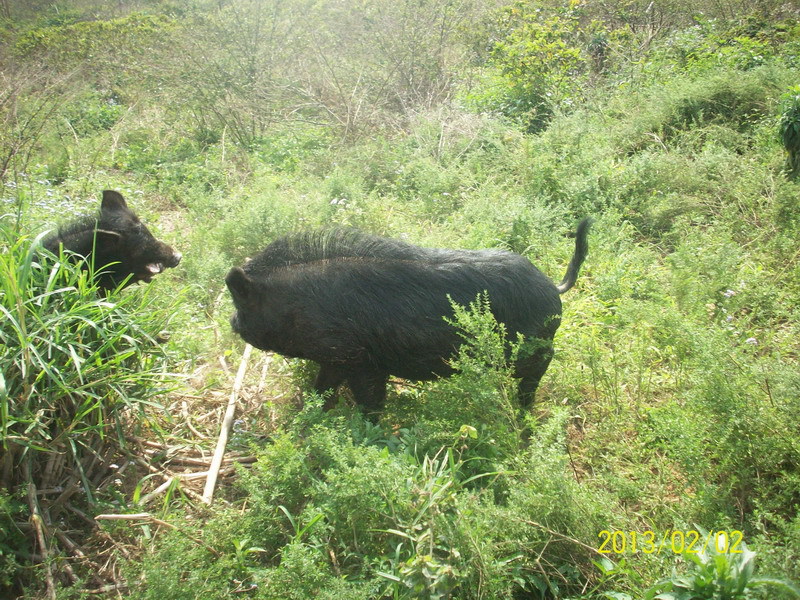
(668, 419)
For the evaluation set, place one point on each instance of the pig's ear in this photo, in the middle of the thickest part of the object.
(113, 201)
(105, 239)
(238, 283)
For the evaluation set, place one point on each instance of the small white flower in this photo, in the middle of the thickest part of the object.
(752, 341)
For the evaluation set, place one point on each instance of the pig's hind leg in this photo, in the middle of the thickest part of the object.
(530, 369)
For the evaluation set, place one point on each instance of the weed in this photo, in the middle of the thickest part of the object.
(717, 573)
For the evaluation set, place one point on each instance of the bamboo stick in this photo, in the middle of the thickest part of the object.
(227, 423)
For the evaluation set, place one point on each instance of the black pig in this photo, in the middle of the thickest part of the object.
(366, 307)
(117, 241)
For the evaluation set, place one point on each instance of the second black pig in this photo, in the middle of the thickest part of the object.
(116, 242)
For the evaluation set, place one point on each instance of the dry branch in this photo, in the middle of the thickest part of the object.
(227, 424)
(167, 476)
(38, 525)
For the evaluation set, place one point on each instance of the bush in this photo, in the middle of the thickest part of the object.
(477, 410)
(540, 66)
(448, 506)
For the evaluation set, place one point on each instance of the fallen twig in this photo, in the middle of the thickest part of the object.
(192, 428)
(177, 477)
(124, 517)
(98, 531)
(115, 587)
(38, 526)
(167, 476)
(227, 424)
(201, 462)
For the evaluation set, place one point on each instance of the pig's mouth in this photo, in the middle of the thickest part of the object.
(150, 271)
(154, 268)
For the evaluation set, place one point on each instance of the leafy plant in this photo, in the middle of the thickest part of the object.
(422, 561)
(481, 397)
(539, 61)
(717, 573)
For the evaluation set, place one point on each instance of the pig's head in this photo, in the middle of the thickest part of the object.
(118, 243)
(257, 312)
(244, 294)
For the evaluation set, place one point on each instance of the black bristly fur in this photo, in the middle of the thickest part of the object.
(365, 307)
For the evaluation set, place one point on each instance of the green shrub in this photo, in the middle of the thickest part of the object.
(744, 43)
(737, 100)
(477, 409)
(92, 112)
(12, 538)
(108, 42)
(182, 569)
(539, 64)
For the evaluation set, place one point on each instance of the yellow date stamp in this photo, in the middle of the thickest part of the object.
(675, 541)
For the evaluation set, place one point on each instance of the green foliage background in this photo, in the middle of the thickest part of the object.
(672, 401)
